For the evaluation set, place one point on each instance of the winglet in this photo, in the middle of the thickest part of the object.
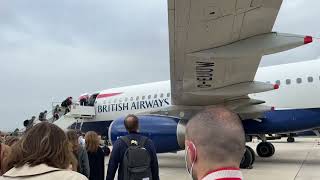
(308, 39)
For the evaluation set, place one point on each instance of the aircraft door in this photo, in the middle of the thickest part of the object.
(92, 99)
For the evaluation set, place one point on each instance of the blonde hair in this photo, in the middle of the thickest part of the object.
(73, 159)
(73, 139)
(92, 141)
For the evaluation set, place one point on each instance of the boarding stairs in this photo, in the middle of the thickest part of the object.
(77, 115)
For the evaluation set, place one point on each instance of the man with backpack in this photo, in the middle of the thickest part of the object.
(134, 154)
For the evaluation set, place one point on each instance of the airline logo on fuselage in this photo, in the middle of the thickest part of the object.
(136, 105)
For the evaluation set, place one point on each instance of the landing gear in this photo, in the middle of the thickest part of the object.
(252, 153)
(265, 149)
(248, 158)
(290, 138)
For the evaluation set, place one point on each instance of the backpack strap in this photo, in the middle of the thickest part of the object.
(143, 141)
(126, 140)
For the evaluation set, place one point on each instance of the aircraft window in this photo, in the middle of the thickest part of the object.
(120, 100)
(115, 100)
(310, 79)
(161, 95)
(104, 102)
(299, 80)
(125, 99)
(143, 97)
(278, 82)
(149, 97)
(288, 81)
(131, 99)
(137, 98)
(155, 96)
(109, 101)
(168, 95)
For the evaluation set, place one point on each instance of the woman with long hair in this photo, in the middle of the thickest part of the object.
(11, 140)
(4, 153)
(42, 153)
(80, 153)
(95, 155)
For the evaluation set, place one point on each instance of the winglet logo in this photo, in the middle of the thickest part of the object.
(107, 95)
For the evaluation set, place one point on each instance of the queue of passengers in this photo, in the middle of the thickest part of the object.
(215, 144)
(46, 151)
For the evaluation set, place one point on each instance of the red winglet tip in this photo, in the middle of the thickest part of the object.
(308, 39)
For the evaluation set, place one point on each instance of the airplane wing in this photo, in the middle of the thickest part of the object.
(216, 47)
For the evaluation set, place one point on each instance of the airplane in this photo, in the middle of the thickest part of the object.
(215, 49)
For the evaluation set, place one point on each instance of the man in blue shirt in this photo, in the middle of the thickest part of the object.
(119, 148)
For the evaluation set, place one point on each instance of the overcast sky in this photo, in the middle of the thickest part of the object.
(53, 49)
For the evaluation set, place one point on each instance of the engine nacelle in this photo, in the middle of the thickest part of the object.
(167, 133)
(283, 122)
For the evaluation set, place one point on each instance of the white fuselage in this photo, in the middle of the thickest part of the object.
(299, 85)
(292, 93)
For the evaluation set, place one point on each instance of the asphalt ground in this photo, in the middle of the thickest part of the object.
(292, 161)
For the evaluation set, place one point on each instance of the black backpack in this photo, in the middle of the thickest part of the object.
(136, 160)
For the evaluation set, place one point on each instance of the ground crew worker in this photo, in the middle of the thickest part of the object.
(120, 147)
(215, 144)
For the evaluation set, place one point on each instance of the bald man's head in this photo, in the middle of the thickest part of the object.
(131, 123)
(218, 135)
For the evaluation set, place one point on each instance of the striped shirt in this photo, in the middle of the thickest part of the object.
(224, 174)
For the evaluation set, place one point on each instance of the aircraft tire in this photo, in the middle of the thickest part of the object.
(252, 153)
(265, 149)
(290, 139)
(247, 160)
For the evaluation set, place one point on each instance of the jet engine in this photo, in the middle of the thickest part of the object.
(167, 133)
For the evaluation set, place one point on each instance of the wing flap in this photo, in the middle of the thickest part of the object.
(236, 90)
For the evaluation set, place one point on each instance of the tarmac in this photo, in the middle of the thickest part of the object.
(292, 161)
